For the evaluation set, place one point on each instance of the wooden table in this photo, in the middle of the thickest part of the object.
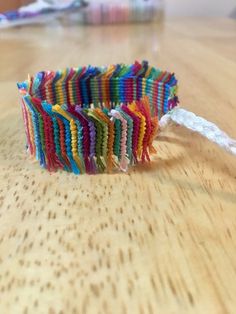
(159, 239)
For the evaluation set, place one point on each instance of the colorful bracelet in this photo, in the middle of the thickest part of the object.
(95, 119)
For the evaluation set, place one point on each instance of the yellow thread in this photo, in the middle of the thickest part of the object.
(60, 93)
(70, 86)
(107, 75)
(74, 146)
(74, 137)
(31, 130)
(57, 108)
(148, 71)
(30, 82)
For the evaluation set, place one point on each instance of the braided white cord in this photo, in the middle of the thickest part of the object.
(201, 126)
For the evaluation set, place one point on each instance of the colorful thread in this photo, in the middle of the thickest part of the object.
(95, 119)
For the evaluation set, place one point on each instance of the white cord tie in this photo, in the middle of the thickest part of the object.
(199, 125)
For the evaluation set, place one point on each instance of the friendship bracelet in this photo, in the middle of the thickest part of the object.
(100, 119)
(95, 119)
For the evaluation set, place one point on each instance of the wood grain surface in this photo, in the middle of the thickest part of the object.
(159, 239)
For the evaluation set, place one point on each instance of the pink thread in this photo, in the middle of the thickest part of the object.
(26, 123)
(124, 159)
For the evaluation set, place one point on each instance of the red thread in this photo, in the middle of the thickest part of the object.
(53, 162)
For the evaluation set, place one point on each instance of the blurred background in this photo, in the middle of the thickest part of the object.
(104, 11)
(200, 7)
(172, 7)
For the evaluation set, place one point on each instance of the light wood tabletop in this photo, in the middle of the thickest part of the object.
(158, 239)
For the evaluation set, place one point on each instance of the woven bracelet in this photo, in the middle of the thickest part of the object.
(95, 119)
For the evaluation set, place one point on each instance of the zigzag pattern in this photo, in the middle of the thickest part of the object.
(95, 119)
